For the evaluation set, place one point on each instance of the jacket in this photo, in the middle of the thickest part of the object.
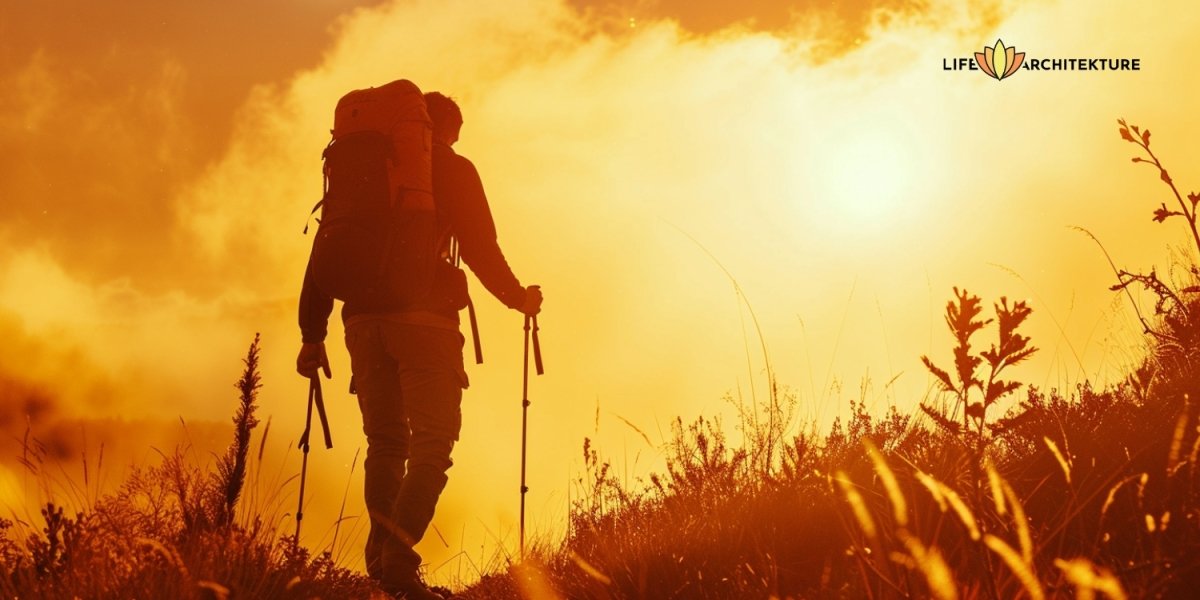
(462, 207)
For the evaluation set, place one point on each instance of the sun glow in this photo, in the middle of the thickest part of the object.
(865, 177)
(845, 193)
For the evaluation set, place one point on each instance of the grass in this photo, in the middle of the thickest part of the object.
(1083, 492)
(1079, 492)
(171, 530)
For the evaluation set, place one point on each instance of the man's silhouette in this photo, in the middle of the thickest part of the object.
(407, 364)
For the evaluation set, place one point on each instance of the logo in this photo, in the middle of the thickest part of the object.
(998, 61)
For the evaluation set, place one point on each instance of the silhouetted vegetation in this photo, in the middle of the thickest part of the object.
(1079, 492)
(170, 531)
(1073, 492)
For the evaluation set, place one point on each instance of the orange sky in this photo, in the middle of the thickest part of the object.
(161, 159)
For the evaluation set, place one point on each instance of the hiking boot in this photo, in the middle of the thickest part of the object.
(445, 592)
(423, 594)
(413, 589)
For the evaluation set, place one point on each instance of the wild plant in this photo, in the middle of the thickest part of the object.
(1012, 348)
(169, 531)
(1177, 305)
(1077, 493)
(231, 470)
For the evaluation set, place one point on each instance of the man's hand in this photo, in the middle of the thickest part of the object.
(312, 356)
(533, 301)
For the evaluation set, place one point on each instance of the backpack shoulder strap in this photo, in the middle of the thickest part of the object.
(456, 260)
(324, 184)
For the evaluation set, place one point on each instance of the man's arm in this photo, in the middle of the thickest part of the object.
(472, 223)
(315, 308)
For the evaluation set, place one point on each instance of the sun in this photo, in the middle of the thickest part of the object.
(868, 175)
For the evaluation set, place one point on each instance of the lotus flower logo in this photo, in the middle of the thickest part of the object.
(999, 62)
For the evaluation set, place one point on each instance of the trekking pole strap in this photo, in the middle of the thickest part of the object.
(315, 391)
(537, 347)
(312, 394)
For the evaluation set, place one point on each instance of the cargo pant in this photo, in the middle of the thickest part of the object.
(409, 379)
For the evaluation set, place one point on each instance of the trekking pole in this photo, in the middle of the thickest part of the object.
(314, 397)
(537, 359)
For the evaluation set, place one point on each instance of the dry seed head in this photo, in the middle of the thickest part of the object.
(1195, 449)
(902, 559)
(994, 481)
(533, 583)
(934, 488)
(1062, 460)
(937, 574)
(962, 510)
(169, 553)
(1177, 438)
(1024, 572)
(1175, 469)
(1150, 526)
(861, 514)
(944, 496)
(587, 567)
(218, 591)
(1112, 493)
(899, 505)
(1089, 579)
(1021, 521)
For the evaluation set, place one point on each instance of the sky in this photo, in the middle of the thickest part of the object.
(703, 190)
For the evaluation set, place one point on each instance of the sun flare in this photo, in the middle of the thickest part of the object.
(868, 175)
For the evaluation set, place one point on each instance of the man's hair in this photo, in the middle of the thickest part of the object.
(443, 111)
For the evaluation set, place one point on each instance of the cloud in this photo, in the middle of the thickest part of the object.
(34, 94)
(112, 348)
(92, 169)
(106, 112)
(845, 193)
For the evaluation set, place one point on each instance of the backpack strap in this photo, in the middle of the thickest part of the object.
(474, 331)
(310, 215)
(456, 260)
(324, 186)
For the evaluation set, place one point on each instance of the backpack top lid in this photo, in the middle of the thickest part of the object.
(397, 110)
(380, 108)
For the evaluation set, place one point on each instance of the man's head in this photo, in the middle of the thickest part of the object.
(446, 116)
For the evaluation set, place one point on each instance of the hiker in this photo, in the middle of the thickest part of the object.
(407, 364)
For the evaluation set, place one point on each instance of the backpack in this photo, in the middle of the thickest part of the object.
(377, 240)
